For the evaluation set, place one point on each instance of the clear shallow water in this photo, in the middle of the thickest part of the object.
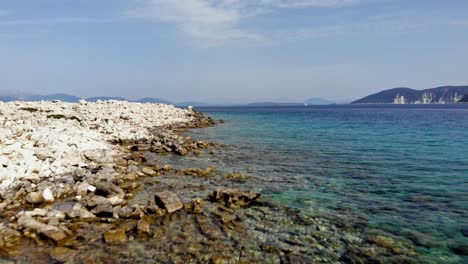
(405, 168)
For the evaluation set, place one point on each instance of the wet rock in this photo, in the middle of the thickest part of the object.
(98, 200)
(143, 227)
(237, 176)
(234, 197)
(299, 259)
(222, 259)
(464, 231)
(48, 196)
(103, 210)
(195, 207)
(422, 239)
(66, 207)
(49, 231)
(198, 172)
(178, 149)
(461, 250)
(34, 198)
(117, 236)
(208, 229)
(151, 207)
(149, 171)
(83, 214)
(133, 211)
(108, 189)
(86, 215)
(9, 241)
(388, 243)
(63, 254)
(168, 200)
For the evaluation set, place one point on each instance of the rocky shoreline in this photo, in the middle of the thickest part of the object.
(81, 183)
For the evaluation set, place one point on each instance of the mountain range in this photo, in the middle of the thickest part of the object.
(404, 95)
(7, 97)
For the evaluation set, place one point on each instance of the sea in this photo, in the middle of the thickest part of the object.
(402, 168)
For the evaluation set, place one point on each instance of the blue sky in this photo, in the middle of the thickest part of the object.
(231, 50)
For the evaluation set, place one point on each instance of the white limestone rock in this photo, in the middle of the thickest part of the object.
(41, 140)
(48, 196)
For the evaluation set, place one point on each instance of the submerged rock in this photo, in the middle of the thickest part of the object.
(169, 201)
(198, 172)
(195, 207)
(63, 254)
(422, 239)
(143, 227)
(117, 236)
(236, 176)
(149, 171)
(108, 189)
(234, 197)
(464, 231)
(103, 210)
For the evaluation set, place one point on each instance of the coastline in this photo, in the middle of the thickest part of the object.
(104, 216)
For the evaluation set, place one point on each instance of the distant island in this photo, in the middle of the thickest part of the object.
(274, 104)
(404, 95)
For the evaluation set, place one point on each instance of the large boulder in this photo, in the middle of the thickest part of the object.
(234, 197)
(169, 201)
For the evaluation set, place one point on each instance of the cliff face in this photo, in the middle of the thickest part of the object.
(464, 99)
(439, 95)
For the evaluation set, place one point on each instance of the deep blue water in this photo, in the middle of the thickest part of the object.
(404, 168)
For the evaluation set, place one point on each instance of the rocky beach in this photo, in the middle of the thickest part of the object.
(93, 183)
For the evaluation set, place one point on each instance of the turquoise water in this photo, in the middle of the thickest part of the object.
(403, 168)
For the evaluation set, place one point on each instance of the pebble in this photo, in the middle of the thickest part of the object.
(34, 198)
(48, 196)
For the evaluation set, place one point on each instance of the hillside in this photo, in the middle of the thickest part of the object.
(404, 95)
(464, 99)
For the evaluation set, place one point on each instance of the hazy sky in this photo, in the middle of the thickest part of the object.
(231, 50)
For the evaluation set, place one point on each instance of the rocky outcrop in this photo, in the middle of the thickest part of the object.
(46, 140)
(234, 197)
(464, 99)
(439, 95)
